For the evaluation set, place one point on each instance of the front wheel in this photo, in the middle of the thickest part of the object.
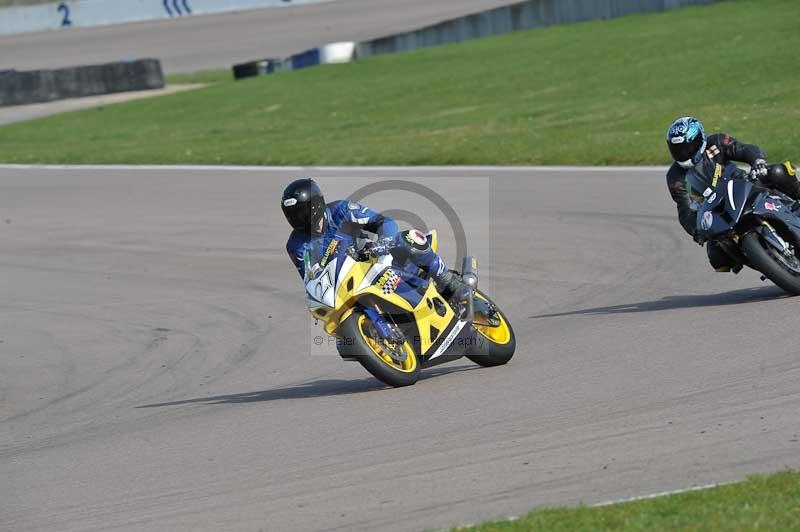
(394, 364)
(765, 259)
(495, 345)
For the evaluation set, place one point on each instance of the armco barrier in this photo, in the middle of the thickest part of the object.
(525, 15)
(36, 86)
(82, 13)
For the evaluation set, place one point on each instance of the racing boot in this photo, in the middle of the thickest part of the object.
(413, 245)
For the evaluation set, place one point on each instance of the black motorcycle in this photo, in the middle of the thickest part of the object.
(756, 226)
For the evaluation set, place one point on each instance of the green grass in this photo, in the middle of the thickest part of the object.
(595, 93)
(205, 76)
(17, 3)
(760, 503)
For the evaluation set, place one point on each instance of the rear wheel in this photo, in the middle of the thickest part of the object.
(496, 345)
(782, 270)
(394, 364)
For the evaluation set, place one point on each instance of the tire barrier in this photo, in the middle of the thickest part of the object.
(37, 86)
(339, 52)
(254, 68)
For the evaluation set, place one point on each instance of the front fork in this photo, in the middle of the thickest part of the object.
(768, 234)
(381, 326)
(771, 237)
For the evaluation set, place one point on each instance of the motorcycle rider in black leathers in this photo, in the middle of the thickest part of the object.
(690, 148)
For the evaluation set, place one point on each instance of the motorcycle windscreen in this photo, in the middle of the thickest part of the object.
(323, 258)
(321, 251)
(725, 203)
(695, 183)
(698, 184)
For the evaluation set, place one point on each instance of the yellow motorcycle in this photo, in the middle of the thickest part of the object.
(386, 315)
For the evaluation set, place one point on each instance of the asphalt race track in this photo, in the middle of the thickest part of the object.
(218, 41)
(158, 372)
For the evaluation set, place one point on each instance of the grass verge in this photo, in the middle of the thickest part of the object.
(759, 503)
(595, 93)
(18, 3)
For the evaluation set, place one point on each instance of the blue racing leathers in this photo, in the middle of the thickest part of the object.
(342, 216)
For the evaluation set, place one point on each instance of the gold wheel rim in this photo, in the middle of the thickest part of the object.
(499, 335)
(378, 347)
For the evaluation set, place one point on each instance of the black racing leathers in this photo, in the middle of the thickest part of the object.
(720, 149)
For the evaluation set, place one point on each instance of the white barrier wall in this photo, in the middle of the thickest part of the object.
(82, 13)
(525, 15)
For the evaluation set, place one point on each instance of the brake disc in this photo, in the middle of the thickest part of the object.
(393, 349)
(396, 352)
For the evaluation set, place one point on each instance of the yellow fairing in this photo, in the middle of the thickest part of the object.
(430, 325)
(332, 317)
(434, 238)
(424, 313)
(426, 317)
(347, 295)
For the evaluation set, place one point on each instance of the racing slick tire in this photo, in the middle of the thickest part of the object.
(761, 259)
(495, 345)
(359, 341)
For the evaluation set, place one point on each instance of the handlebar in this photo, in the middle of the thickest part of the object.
(373, 249)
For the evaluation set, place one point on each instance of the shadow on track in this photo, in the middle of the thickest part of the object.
(734, 297)
(318, 388)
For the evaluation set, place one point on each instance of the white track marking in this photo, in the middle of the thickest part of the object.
(147, 167)
(635, 498)
(408, 169)
(330, 168)
(663, 494)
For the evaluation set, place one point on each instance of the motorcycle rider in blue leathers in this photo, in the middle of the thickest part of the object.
(306, 211)
(691, 149)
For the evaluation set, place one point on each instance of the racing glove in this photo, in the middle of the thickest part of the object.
(380, 247)
(698, 237)
(759, 168)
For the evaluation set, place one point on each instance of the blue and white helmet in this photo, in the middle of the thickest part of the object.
(686, 139)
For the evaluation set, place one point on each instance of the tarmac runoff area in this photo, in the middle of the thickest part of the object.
(157, 369)
(19, 113)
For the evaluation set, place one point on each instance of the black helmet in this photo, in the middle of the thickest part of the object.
(304, 206)
(686, 139)
(780, 173)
